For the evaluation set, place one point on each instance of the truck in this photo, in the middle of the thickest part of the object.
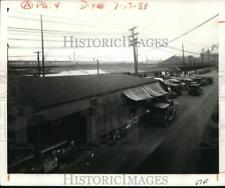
(162, 113)
(195, 89)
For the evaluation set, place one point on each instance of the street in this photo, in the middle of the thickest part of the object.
(154, 149)
(179, 152)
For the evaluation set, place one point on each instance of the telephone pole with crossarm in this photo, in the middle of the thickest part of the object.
(134, 42)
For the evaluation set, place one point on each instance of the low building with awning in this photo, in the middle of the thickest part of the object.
(45, 111)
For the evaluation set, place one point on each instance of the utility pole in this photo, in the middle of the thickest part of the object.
(98, 77)
(202, 58)
(137, 54)
(190, 63)
(7, 53)
(214, 59)
(97, 67)
(195, 66)
(42, 48)
(183, 60)
(208, 56)
(7, 43)
(38, 61)
(74, 57)
(134, 43)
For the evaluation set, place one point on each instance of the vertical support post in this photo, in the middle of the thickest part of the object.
(183, 60)
(42, 48)
(134, 42)
(97, 67)
(38, 61)
(195, 66)
(7, 53)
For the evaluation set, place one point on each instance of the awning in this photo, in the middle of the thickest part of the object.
(145, 92)
(155, 89)
(137, 94)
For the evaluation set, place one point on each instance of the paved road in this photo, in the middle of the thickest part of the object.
(153, 149)
(178, 154)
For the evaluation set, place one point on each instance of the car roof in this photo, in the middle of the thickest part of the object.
(174, 80)
(188, 79)
(172, 84)
(161, 105)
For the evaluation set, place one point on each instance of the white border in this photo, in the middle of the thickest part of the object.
(58, 179)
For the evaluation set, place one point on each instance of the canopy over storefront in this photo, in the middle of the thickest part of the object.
(137, 94)
(145, 92)
(155, 89)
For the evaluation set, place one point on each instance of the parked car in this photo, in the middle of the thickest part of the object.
(162, 113)
(195, 89)
(164, 84)
(178, 80)
(176, 88)
(187, 81)
(199, 80)
(208, 80)
(174, 81)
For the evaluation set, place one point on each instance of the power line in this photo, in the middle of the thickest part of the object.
(16, 29)
(187, 32)
(60, 34)
(72, 23)
(178, 49)
(22, 56)
(53, 31)
(196, 27)
(31, 40)
(74, 19)
(38, 40)
(174, 48)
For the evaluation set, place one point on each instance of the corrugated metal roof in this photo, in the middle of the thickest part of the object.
(49, 91)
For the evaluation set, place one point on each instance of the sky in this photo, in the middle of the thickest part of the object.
(162, 19)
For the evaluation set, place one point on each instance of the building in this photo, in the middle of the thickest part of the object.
(44, 112)
(204, 59)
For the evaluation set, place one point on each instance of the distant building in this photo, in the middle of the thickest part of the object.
(178, 60)
(191, 62)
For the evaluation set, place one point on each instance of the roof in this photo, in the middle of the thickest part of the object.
(50, 91)
(137, 94)
(172, 84)
(76, 73)
(174, 80)
(188, 79)
(147, 91)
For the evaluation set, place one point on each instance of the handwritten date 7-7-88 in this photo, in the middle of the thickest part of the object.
(116, 4)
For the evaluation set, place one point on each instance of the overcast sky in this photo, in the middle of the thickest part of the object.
(162, 19)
